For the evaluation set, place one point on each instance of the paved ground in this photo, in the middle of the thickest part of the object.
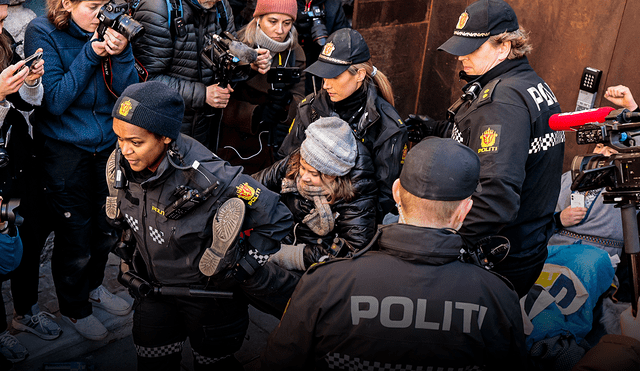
(116, 352)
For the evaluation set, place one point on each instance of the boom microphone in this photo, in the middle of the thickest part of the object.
(243, 52)
(564, 121)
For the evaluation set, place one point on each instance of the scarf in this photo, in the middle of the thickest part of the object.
(320, 220)
(266, 42)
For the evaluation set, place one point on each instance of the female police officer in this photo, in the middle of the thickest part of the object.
(506, 123)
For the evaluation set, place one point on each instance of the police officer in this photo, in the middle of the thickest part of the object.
(184, 207)
(412, 304)
(503, 116)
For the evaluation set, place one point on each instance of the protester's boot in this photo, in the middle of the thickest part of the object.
(226, 226)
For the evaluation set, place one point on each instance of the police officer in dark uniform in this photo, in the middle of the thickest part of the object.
(503, 116)
(413, 304)
(184, 207)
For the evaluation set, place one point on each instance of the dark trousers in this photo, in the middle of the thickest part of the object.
(523, 272)
(75, 190)
(215, 328)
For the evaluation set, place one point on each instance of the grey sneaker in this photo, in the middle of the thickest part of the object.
(38, 324)
(100, 297)
(89, 327)
(11, 348)
(226, 227)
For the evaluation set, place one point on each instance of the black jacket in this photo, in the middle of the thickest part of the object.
(380, 129)
(177, 62)
(408, 305)
(356, 222)
(520, 157)
(171, 249)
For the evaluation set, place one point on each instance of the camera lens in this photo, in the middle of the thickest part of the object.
(319, 32)
(8, 212)
(130, 28)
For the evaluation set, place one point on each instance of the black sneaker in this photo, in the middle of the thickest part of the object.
(226, 227)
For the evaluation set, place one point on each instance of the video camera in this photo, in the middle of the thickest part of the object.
(229, 59)
(620, 172)
(115, 15)
(281, 78)
(315, 17)
(9, 212)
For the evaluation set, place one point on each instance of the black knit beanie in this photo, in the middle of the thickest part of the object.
(151, 105)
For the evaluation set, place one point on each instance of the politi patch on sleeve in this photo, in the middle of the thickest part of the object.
(248, 193)
(489, 139)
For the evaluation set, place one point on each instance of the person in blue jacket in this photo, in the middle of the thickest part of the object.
(74, 140)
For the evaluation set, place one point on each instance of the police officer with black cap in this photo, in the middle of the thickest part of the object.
(412, 304)
(503, 116)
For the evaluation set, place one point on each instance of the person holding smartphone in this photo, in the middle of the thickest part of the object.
(74, 141)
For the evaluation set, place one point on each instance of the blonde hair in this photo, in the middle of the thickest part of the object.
(5, 49)
(380, 81)
(57, 15)
(519, 39)
(340, 188)
(248, 33)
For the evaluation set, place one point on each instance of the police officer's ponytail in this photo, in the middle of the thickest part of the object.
(378, 79)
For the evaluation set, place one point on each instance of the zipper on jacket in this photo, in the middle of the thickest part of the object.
(143, 225)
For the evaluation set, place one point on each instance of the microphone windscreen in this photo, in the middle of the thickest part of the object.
(564, 121)
(243, 52)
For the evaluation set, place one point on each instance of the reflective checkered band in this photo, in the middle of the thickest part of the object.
(202, 360)
(133, 222)
(345, 362)
(158, 236)
(547, 141)
(456, 134)
(261, 259)
(160, 351)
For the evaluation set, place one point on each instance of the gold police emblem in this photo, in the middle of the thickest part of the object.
(125, 107)
(328, 49)
(462, 21)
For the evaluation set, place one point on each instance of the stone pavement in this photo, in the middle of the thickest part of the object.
(116, 352)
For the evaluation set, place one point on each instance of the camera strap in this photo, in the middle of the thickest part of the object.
(107, 74)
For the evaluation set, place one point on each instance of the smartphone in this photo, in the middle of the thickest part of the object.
(577, 200)
(31, 60)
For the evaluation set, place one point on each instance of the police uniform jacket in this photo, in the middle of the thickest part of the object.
(171, 249)
(175, 60)
(521, 157)
(409, 306)
(379, 128)
(356, 221)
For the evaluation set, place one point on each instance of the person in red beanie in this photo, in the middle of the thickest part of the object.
(262, 108)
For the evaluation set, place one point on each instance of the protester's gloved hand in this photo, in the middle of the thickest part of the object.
(629, 324)
(290, 257)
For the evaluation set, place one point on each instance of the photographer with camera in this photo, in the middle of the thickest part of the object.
(185, 207)
(356, 91)
(262, 108)
(317, 19)
(73, 141)
(411, 304)
(503, 116)
(171, 52)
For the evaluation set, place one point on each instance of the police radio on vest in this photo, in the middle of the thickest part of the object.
(567, 120)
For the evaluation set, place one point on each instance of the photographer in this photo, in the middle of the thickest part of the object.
(317, 19)
(74, 140)
(170, 51)
(504, 117)
(262, 108)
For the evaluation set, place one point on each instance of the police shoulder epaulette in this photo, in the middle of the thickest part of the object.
(487, 92)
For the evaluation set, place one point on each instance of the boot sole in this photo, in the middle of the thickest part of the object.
(226, 227)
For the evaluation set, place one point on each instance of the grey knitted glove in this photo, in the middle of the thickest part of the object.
(289, 257)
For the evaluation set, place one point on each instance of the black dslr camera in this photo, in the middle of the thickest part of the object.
(229, 59)
(115, 15)
(620, 172)
(315, 16)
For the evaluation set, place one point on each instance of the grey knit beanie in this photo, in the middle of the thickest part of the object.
(330, 146)
(151, 105)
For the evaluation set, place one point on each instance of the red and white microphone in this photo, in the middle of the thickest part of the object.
(565, 121)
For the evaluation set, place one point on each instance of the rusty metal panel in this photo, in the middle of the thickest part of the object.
(396, 32)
